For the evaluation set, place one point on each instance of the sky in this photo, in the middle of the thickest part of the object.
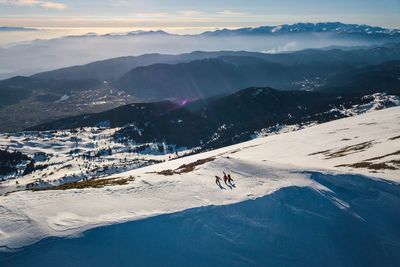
(192, 14)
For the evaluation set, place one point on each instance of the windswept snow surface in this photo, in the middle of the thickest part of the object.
(294, 226)
(368, 144)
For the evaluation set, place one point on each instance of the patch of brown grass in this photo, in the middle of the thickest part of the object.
(319, 152)
(396, 162)
(371, 165)
(347, 150)
(185, 168)
(235, 151)
(394, 138)
(367, 123)
(384, 156)
(166, 172)
(92, 183)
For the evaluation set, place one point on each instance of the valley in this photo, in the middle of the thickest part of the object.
(99, 86)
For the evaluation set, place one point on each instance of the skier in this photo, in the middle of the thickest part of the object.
(225, 178)
(218, 181)
(230, 180)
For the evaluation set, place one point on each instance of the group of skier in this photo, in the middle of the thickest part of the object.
(227, 180)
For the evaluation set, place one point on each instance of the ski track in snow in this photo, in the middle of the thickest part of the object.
(259, 167)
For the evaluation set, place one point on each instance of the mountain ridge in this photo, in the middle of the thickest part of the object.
(226, 119)
(302, 27)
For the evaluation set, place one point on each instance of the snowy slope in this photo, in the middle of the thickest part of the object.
(70, 155)
(259, 167)
(354, 223)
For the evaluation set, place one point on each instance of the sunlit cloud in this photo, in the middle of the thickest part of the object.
(190, 13)
(162, 13)
(38, 3)
(53, 5)
(151, 15)
(230, 13)
(119, 3)
(161, 20)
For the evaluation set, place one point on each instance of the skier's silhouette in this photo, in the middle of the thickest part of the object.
(226, 180)
(218, 181)
(230, 180)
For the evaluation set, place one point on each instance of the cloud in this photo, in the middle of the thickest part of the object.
(119, 3)
(151, 15)
(38, 3)
(190, 13)
(230, 13)
(291, 46)
(53, 5)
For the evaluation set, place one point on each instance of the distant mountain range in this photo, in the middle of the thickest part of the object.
(322, 27)
(46, 55)
(203, 74)
(366, 79)
(136, 112)
(331, 70)
(113, 69)
(223, 120)
(12, 29)
(102, 85)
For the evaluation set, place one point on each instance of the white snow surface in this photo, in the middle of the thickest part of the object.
(258, 167)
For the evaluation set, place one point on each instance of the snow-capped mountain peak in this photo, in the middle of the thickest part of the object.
(320, 27)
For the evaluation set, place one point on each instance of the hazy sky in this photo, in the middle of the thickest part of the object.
(194, 13)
